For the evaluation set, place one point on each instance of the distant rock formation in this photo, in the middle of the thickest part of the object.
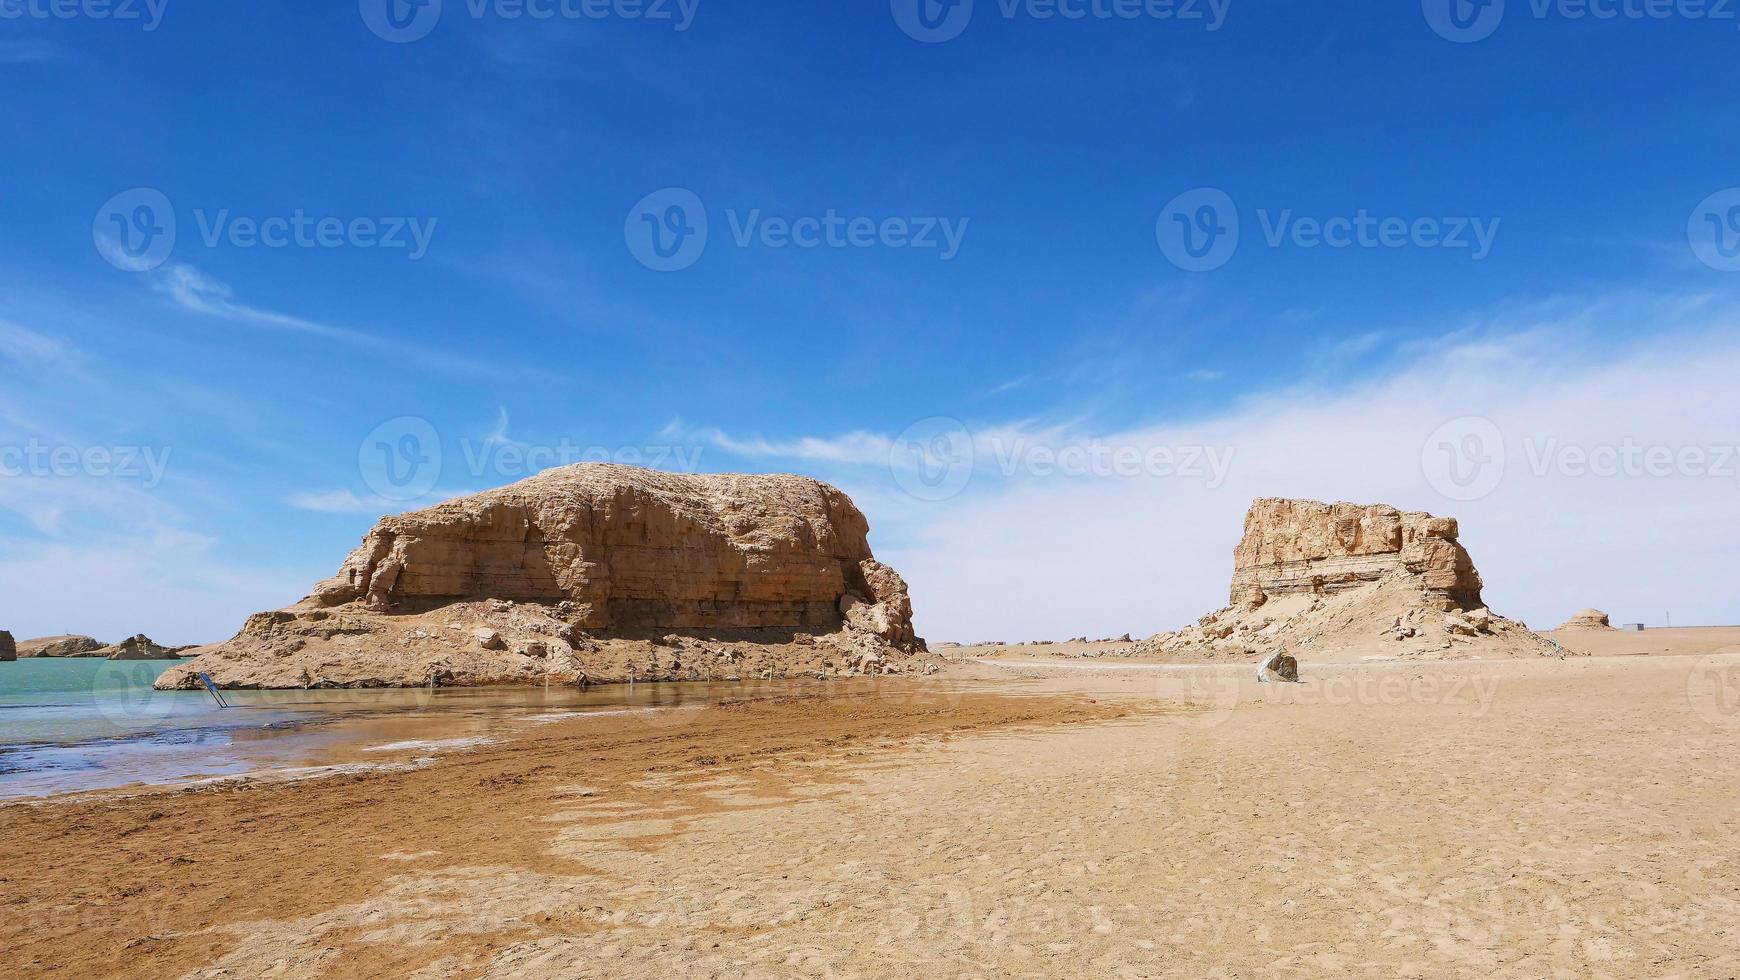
(1588, 619)
(60, 646)
(8, 648)
(1349, 580)
(140, 647)
(589, 571)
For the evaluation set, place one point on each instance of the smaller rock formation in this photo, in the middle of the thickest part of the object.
(66, 645)
(1588, 619)
(8, 648)
(1279, 668)
(1349, 581)
(1303, 546)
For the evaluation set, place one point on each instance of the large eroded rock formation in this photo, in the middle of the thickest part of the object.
(540, 578)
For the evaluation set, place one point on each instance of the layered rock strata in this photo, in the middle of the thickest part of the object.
(590, 571)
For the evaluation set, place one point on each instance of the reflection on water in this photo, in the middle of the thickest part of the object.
(72, 726)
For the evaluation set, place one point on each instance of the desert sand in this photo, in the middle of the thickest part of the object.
(1519, 817)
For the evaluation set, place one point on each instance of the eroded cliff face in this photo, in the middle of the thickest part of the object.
(630, 548)
(1305, 546)
(541, 578)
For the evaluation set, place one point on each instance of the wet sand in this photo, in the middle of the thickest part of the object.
(1562, 818)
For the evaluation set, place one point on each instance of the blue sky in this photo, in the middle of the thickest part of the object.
(523, 322)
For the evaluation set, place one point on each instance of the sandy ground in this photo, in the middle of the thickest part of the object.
(1532, 818)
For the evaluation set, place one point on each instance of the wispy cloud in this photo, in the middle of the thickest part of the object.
(22, 346)
(338, 502)
(861, 448)
(195, 291)
(1205, 375)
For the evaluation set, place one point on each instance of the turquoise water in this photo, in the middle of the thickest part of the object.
(69, 699)
(73, 725)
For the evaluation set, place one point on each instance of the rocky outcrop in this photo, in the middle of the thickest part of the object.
(1588, 619)
(1303, 546)
(140, 647)
(8, 647)
(1347, 581)
(60, 646)
(587, 571)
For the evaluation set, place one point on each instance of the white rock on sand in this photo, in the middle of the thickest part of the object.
(1278, 668)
